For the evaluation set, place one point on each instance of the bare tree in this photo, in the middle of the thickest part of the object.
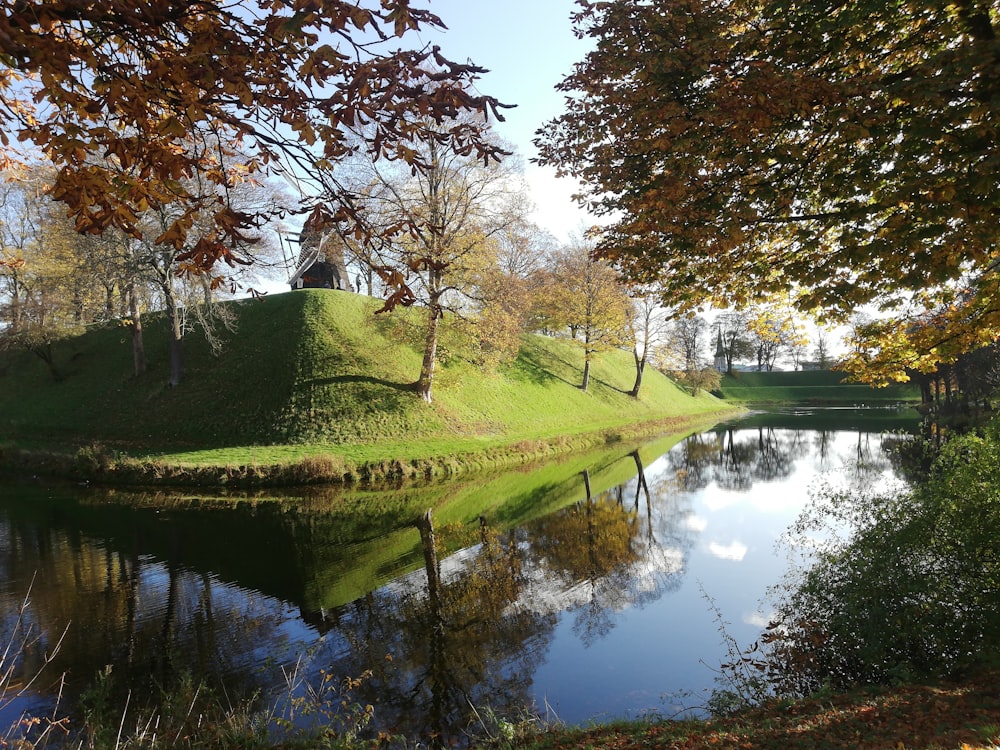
(687, 342)
(649, 327)
(821, 349)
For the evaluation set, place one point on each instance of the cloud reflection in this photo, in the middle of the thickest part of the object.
(733, 551)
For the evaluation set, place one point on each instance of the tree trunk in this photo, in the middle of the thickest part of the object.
(423, 385)
(138, 345)
(173, 335)
(640, 366)
(109, 301)
(586, 372)
(206, 289)
(438, 677)
(15, 307)
(46, 353)
(176, 356)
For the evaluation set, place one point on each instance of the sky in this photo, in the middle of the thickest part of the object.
(528, 47)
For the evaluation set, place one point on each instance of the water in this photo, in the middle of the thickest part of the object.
(596, 587)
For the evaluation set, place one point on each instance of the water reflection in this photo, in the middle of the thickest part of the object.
(496, 597)
(735, 458)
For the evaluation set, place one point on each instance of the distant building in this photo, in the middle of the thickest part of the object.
(321, 262)
(720, 355)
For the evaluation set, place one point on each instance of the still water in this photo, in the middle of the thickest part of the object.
(595, 587)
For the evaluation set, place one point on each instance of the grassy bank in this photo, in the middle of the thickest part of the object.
(811, 387)
(962, 716)
(312, 385)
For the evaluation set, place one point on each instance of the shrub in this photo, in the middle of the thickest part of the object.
(914, 590)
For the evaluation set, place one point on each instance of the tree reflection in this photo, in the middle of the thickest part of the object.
(869, 461)
(470, 629)
(600, 556)
(735, 459)
(143, 623)
(440, 643)
(592, 547)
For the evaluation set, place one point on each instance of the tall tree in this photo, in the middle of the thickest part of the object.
(687, 341)
(822, 352)
(684, 354)
(456, 206)
(45, 293)
(849, 150)
(161, 265)
(648, 326)
(505, 281)
(129, 97)
(774, 332)
(585, 295)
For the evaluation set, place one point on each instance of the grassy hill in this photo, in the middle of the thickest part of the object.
(810, 386)
(317, 372)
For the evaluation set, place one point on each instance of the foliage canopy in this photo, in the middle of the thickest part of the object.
(129, 98)
(846, 151)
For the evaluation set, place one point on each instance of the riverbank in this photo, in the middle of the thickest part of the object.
(946, 716)
(313, 386)
(962, 715)
(313, 464)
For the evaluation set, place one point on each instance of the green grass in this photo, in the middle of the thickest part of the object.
(317, 373)
(810, 386)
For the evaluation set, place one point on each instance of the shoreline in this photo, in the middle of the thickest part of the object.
(98, 465)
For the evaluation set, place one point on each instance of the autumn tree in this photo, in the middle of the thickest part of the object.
(768, 342)
(584, 294)
(732, 331)
(847, 151)
(187, 300)
(46, 294)
(798, 348)
(773, 332)
(130, 98)
(17, 230)
(457, 207)
(504, 286)
(522, 252)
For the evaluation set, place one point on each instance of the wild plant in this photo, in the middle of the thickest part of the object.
(742, 677)
(15, 686)
(320, 706)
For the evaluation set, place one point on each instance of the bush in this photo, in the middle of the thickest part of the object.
(704, 379)
(914, 590)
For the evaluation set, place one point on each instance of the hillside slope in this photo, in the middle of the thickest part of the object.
(315, 367)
